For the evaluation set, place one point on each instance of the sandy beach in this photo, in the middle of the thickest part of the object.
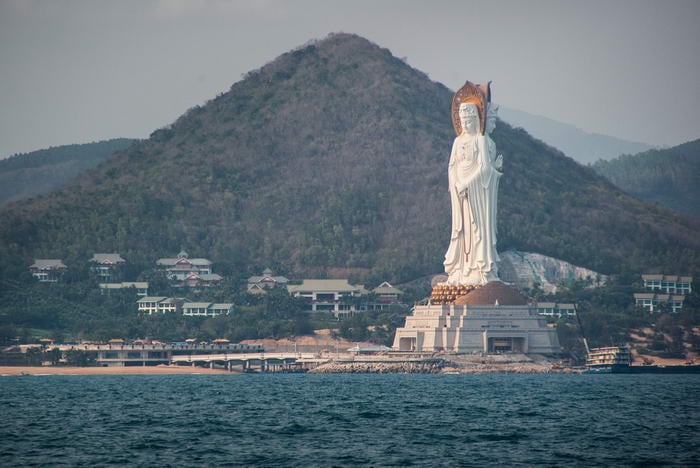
(130, 370)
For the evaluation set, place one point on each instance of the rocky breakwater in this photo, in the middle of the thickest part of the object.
(448, 364)
(428, 366)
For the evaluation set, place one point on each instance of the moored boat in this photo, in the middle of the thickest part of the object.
(608, 359)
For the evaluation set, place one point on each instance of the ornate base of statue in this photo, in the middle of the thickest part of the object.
(446, 294)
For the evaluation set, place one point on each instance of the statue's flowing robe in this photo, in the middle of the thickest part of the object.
(471, 258)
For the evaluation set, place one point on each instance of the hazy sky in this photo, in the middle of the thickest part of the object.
(80, 71)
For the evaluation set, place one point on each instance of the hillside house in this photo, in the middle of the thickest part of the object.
(206, 309)
(179, 269)
(260, 284)
(669, 284)
(48, 270)
(663, 292)
(652, 302)
(195, 280)
(385, 295)
(160, 304)
(106, 265)
(329, 295)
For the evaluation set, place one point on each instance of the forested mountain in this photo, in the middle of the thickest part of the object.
(25, 175)
(583, 146)
(333, 155)
(670, 177)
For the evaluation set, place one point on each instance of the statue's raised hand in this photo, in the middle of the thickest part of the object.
(498, 164)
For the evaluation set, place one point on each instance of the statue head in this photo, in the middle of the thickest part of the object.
(491, 115)
(479, 96)
(469, 118)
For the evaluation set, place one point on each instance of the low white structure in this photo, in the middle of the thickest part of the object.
(206, 309)
(159, 304)
(652, 302)
(669, 284)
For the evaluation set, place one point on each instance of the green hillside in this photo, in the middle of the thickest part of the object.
(668, 177)
(333, 155)
(26, 175)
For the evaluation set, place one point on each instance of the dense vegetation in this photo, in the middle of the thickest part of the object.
(331, 160)
(668, 177)
(80, 311)
(26, 175)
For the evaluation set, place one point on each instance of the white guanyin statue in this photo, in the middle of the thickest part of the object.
(473, 175)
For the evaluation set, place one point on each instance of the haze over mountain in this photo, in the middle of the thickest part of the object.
(668, 177)
(334, 155)
(25, 175)
(583, 146)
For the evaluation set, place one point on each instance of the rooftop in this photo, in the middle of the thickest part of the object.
(48, 263)
(326, 285)
(108, 258)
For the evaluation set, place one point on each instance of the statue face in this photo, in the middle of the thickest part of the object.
(469, 117)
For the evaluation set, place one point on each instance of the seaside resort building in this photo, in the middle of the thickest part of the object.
(336, 296)
(385, 295)
(48, 270)
(663, 292)
(189, 272)
(261, 284)
(119, 353)
(163, 305)
(106, 265)
(160, 304)
(206, 309)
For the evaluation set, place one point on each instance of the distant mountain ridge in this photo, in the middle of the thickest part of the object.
(26, 175)
(583, 146)
(334, 155)
(669, 177)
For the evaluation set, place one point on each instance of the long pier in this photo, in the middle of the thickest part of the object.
(249, 361)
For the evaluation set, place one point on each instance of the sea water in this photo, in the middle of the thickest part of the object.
(349, 420)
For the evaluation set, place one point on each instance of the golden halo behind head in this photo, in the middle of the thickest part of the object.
(479, 95)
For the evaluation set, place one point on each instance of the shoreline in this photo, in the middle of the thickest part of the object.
(115, 370)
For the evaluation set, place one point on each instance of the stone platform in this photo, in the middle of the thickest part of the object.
(493, 318)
